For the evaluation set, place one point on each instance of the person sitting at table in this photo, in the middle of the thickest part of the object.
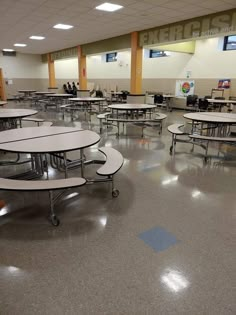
(74, 89)
(70, 91)
(65, 89)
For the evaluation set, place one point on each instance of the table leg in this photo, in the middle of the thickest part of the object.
(65, 165)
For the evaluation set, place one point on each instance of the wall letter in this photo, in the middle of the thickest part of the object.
(164, 35)
(143, 39)
(190, 28)
(176, 33)
(221, 21)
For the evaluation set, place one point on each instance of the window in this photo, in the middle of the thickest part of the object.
(157, 53)
(111, 57)
(230, 42)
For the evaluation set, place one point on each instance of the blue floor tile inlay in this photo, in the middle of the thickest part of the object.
(158, 238)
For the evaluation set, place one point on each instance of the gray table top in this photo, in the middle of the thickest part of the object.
(131, 106)
(47, 139)
(58, 95)
(213, 100)
(212, 117)
(16, 113)
(87, 99)
(26, 91)
(44, 93)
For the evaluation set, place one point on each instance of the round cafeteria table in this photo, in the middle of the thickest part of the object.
(219, 121)
(87, 101)
(42, 140)
(9, 116)
(221, 103)
(131, 107)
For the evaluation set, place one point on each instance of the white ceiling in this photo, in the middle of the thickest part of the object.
(23, 18)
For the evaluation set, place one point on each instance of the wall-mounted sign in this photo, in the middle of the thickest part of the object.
(184, 87)
(224, 84)
(204, 26)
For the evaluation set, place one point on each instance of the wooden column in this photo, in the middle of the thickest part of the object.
(82, 69)
(2, 87)
(136, 65)
(51, 72)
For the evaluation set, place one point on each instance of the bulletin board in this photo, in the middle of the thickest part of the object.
(184, 87)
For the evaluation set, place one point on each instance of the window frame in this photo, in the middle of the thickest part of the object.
(226, 42)
(153, 53)
(111, 57)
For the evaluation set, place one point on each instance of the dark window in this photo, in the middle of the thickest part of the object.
(157, 53)
(230, 42)
(111, 57)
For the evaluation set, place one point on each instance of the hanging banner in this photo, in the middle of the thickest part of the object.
(184, 87)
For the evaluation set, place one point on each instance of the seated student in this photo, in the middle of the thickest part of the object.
(74, 88)
(69, 88)
(65, 89)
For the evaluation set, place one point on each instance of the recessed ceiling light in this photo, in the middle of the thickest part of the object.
(63, 26)
(8, 49)
(110, 7)
(37, 37)
(20, 45)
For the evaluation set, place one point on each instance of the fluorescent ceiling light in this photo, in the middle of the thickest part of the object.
(110, 7)
(63, 26)
(37, 37)
(20, 45)
(6, 49)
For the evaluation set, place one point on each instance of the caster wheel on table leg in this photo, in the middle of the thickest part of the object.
(115, 193)
(54, 220)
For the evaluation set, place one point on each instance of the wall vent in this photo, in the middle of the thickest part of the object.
(9, 53)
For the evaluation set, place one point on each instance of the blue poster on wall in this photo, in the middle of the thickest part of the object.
(184, 87)
(224, 84)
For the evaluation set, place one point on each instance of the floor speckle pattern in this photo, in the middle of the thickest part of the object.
(95, 262)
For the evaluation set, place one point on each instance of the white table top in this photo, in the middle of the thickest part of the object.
(212, 117)
(47, 139)
(87, 99)
(58, 95)
(16, 112)
(43, 93)
(115, 93)
(26, 91)
(169, 95)
(131, 106)
(213, 100)
(3, 103)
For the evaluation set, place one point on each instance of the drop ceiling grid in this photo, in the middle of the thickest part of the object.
(25, 17)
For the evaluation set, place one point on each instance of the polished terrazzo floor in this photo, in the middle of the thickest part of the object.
(166, 245)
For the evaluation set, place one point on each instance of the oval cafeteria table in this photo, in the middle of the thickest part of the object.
(213, 119)
(220, 102)
(42, 140)
(13, 114)
(131, 107)
(80, 101)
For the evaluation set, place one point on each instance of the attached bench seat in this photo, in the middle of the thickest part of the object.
(112, 164)
(114, 161)
(226, 140)
(103, 119)
(175, 130)
(39, 121)
(217, 139)
(43, 185)
(142, 122)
